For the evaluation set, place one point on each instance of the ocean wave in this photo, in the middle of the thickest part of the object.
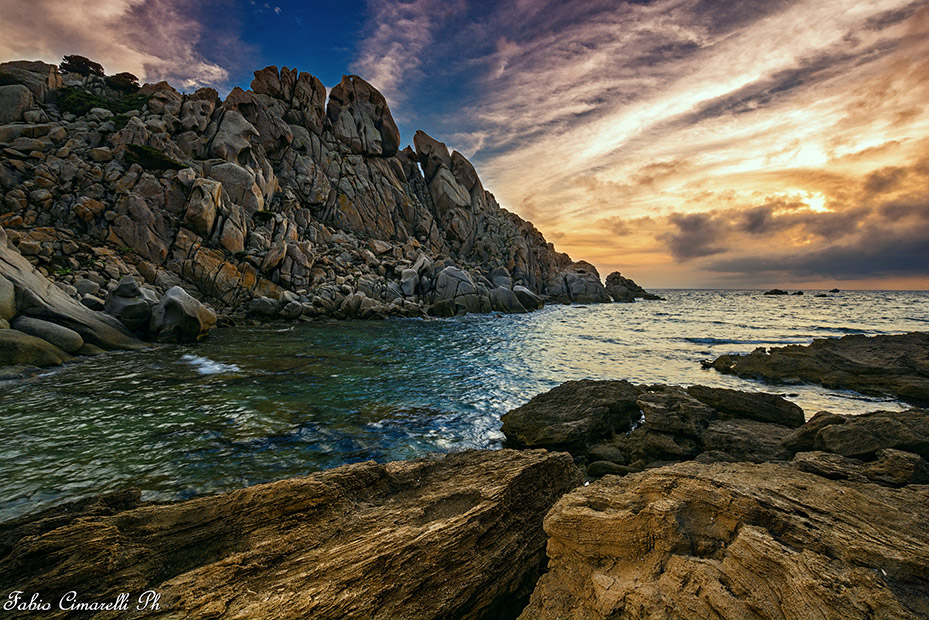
(206, 366)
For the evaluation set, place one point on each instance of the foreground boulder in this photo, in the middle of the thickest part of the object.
(573, 415)
(178, 317)
(735, 541)
(617, 427)
(453, 537)
(897, 365)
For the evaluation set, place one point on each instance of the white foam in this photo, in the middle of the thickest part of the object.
(206, 366)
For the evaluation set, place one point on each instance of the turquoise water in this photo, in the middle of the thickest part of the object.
(258, 404)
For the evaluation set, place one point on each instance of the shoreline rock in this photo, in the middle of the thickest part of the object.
(274, 194)
(734, 540)
(618, 427)
(883, 365)
(453, 537)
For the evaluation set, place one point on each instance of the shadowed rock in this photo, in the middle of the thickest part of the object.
(573, 415)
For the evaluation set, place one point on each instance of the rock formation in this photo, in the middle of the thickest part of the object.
(897, 365)
(616, 427)
(274, 202)
(42, 325)
(735, 540)
(624, 290)
(452, 537)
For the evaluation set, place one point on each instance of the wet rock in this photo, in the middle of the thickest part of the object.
(529, 300)
(505, 300)
(752, 405)
(734, 541)
(776, 291)
(452, 537)
(897, 365)
(127, 304)
(574, 415)
(178, 317)
(18, 348)
(65, 339)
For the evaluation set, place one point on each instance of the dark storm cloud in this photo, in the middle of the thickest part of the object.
(885, 180)
(697, 235)
(878, 254)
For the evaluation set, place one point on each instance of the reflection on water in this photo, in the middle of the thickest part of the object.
(258, 404)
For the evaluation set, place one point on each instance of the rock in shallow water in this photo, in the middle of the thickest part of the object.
(735, 541)
(453, 537)
(178, 317)
(897, 364)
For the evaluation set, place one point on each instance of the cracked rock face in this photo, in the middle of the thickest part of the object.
(735, 540)
(896, 364)
(452, 537)
(274, 192)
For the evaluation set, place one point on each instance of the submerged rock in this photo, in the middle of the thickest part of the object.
(897, 365)
(453, 537)
(735, 541)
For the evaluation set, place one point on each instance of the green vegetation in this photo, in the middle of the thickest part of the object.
(79, 102)
(64, 271)
(125, 82)
(91, 262)
(125, 250)
(151, 158)
(121, 120)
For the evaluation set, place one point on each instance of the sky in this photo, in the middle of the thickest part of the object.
(685, 143)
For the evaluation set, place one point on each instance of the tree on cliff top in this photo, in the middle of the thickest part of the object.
(82, 65)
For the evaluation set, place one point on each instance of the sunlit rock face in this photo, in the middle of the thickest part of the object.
(274, 194)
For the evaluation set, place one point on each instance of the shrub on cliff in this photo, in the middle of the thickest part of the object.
(123, 82)
(151, 158)
(80, 64)
(79, 102)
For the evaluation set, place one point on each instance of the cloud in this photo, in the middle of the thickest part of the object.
(697, 234)
(775, 123)
(153, 39)
(399, 35)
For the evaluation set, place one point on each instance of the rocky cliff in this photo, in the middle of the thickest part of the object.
(276, 201)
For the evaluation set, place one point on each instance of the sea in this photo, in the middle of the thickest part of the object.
(256, 404)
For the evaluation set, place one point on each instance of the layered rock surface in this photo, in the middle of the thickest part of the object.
(897, 364)
(618, 427)
(275, 202)
(453, 537)
(735, 540)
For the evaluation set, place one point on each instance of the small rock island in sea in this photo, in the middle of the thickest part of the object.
(143, 214)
